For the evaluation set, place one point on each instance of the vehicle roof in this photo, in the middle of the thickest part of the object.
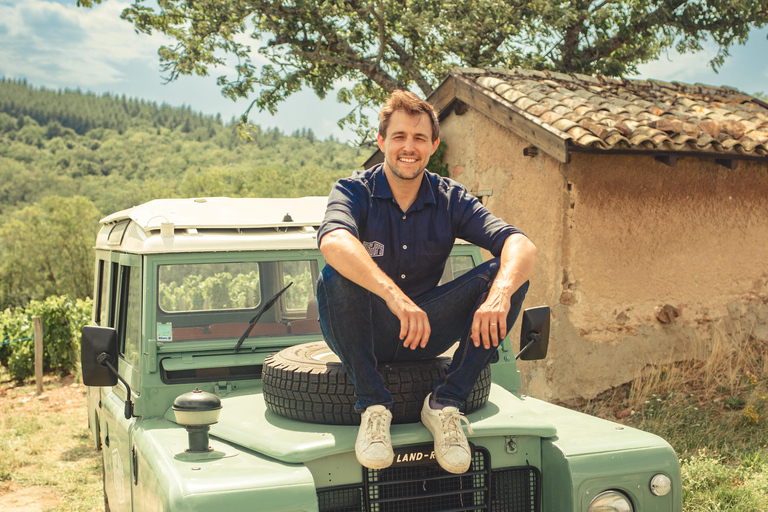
(225, 212)
(214, 224)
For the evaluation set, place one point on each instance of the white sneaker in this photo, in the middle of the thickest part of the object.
(374, 446)
(451, 446)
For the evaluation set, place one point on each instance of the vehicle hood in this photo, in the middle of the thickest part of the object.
(246, 421)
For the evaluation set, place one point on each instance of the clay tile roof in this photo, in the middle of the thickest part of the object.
(650, 115)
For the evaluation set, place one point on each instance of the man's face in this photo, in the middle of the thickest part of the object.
(408, 145)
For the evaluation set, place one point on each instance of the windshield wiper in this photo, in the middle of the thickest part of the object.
(255, 319)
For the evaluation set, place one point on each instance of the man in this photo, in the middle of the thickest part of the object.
(386, 236)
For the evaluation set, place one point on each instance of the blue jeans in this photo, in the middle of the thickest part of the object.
(359, 327)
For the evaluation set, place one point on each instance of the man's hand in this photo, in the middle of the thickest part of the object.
(346, 254)
(489, 325)
(414, 324)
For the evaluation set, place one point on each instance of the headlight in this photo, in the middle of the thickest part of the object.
(610, 501)
(661, 485)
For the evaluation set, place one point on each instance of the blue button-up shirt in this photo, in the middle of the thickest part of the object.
(412, 247)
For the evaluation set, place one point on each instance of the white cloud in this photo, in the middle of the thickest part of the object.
(65, 46)
(678, 67)
(746, 68)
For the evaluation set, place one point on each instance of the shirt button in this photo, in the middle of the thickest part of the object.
(402, 276)
(403, 217)
(405, 247)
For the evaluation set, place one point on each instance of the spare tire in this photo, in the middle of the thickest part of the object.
(308, 383)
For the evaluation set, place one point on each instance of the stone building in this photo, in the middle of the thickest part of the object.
(647, 200)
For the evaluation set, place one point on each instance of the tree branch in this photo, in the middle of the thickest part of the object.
(611, 45)
(570, 46)
(409, 64)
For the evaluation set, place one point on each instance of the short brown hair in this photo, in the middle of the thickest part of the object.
(411, 104)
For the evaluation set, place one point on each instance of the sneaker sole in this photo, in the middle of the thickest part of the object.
(374, 464)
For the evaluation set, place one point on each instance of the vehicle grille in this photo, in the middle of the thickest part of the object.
(428, 488)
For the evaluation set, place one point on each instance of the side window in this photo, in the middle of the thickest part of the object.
(112, 294)
(98, 301)
(129, 330)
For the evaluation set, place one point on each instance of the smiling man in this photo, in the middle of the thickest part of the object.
(387, 234)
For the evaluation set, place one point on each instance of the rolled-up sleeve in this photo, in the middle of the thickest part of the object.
(346, 207)
(476, 224)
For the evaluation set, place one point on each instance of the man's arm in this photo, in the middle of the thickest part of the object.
(517, 260)
(346, 254)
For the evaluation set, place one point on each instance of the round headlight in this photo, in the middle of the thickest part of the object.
(610, 501)
(661, 485)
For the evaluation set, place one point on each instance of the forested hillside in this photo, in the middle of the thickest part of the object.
(87, 156)
(118, 152)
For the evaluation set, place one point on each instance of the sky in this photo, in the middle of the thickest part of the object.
(56, 45)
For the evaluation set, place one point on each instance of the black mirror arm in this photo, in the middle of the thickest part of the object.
(103, 360)
(533, 337)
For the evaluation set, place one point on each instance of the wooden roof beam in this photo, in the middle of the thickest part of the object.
(670, 160)
(498, 109)
(729, 163)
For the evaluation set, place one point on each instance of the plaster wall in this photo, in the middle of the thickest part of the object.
(652, 256)
(526, 192)
(625, 244)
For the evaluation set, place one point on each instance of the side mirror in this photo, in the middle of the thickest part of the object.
(98, 356)
(98, 346)
(534, 334)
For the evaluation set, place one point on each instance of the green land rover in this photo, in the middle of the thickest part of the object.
(210, 387)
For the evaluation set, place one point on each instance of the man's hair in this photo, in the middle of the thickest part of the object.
(410, 104)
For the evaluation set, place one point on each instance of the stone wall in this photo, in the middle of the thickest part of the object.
(637, 259)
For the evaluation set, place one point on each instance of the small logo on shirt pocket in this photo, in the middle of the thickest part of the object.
(375, 249)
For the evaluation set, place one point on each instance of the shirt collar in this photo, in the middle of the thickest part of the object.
(382, 190)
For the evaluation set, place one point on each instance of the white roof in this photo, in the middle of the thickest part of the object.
(214, 224)
(225, 212)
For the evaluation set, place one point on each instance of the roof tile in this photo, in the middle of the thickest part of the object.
(560, 76)
(615, 138)
(550, 117)
(563, 124)
(524, 102)
(512, 95)
(611, 112)
(538, 110)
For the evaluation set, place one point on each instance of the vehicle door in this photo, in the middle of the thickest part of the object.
(117, 444)
(104, 313)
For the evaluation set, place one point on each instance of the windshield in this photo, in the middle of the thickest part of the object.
(198, 301)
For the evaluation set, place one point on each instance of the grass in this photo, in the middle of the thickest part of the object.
(48, 460)
(714, 413)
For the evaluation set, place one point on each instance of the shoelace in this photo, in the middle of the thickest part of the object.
(376, 428)
(452, 425)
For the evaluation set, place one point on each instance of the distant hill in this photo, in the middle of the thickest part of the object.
(83, 112)
(119, 151)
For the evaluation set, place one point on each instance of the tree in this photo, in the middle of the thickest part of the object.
(45, 249)
(383, 45)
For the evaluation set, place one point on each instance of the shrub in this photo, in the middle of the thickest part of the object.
(62, 318)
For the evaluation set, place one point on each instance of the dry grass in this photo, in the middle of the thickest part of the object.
(48, 461)
(714, 412)
(729, 365)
